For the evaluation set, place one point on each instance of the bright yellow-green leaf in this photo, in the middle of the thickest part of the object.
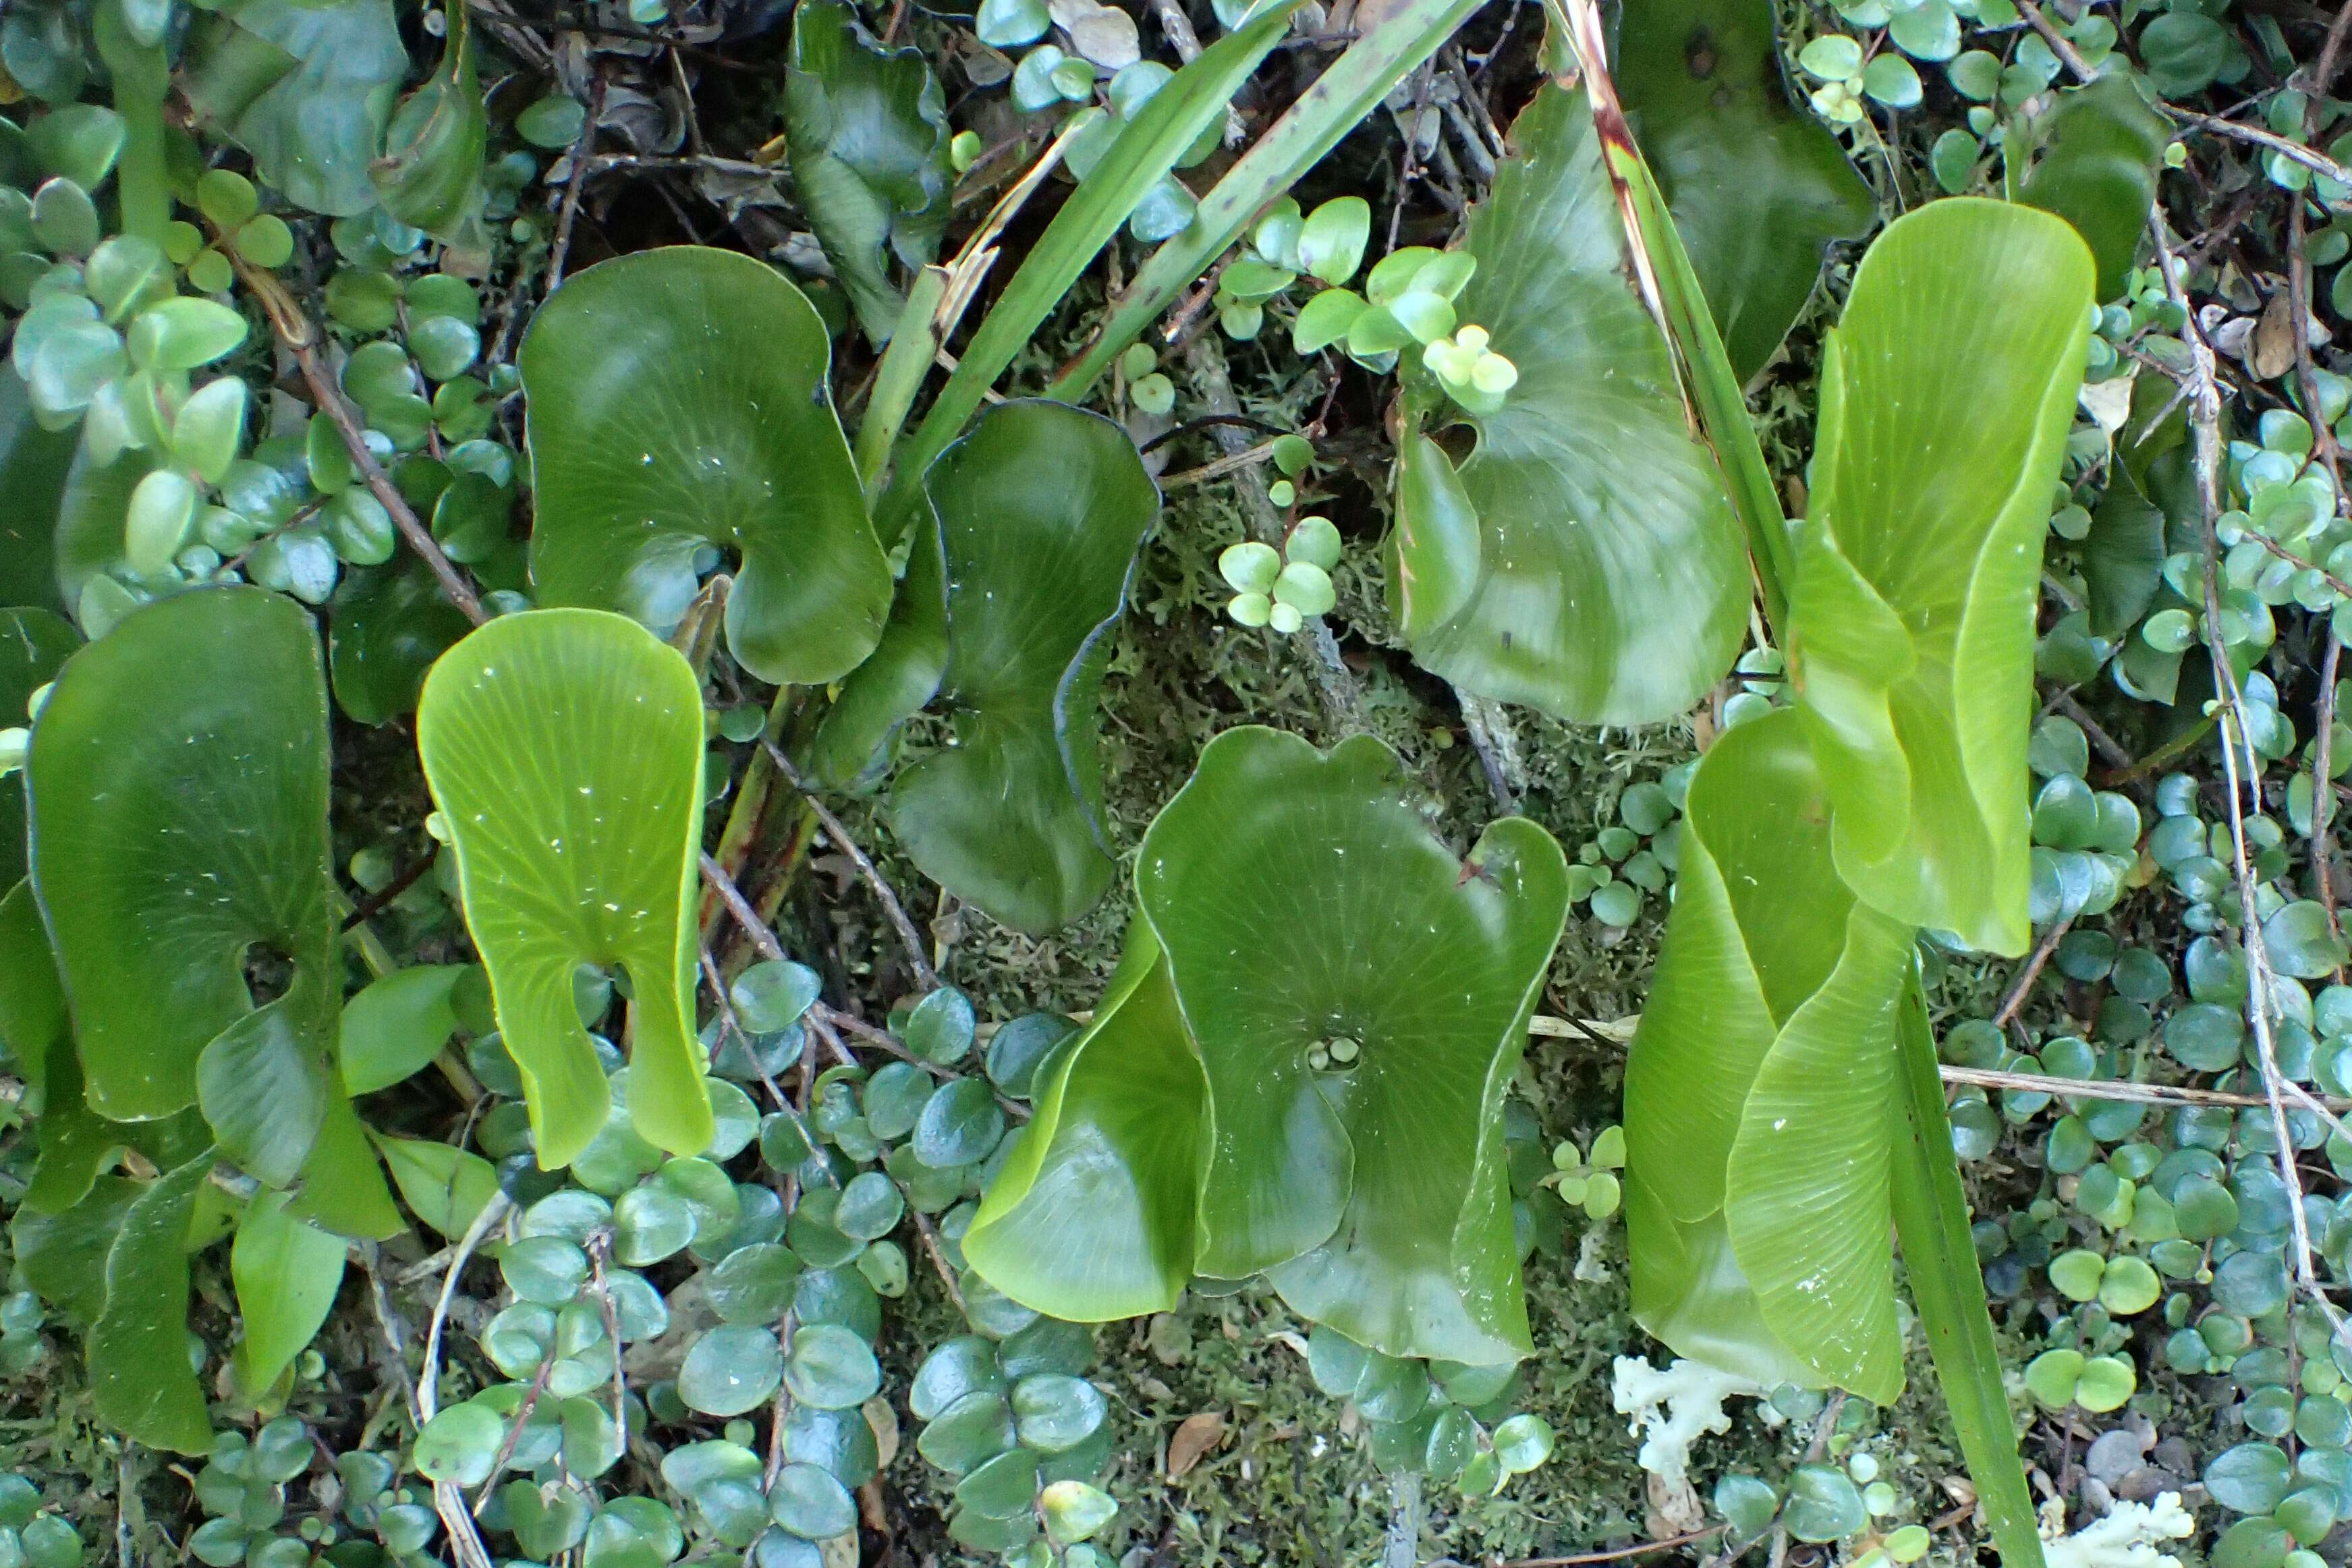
(1946, 393)
(564, 749)
(1091, 1216)
(1759, 1095)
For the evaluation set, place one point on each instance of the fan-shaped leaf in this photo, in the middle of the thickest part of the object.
(1040, 511)
(1759, 187)
(564, 749)
(677, 398)
(1091, 1216)
(1946, 393)
(1761, 1084)
(1611, 584)
(178, 784)
(1300, 900)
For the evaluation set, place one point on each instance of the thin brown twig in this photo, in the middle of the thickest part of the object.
(2101, 742)
(2060, 45)
(514, 1433)
(2205, 424)
(2031, 972)
(925, 975)
(2323, 71)
(300, 338)
(2284, 146)
(575, 178)
(2108, 1089)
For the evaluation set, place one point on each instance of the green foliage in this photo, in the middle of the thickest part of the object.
(565, 751)
(1756, 193)
(263, 383)
(679, 398)
(1039, 513)
(1607, 582)
(308, 90)
(1300, 1169)
(867, 131)
(203, 716)
(1908, 663)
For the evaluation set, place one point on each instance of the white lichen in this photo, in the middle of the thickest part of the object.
(2128, 1537)
(1674, 1408)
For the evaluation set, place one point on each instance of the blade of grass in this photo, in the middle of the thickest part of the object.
(904, 365)
(1352, 87)
(1931, 1219)
(1710, 387)
(1146, 150)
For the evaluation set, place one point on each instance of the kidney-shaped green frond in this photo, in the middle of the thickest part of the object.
(1092, 1215)
(564, 749)
(1946, 393)
(177, 782)
(1040, 511)
(1611, 582)
(1358, 996)
(678, 399)
(1760, 1089)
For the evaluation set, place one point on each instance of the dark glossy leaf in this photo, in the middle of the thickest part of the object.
(307, 89)
(1300, 900)
(139, 1347)
(33, 646)
(1611, 582)
(1946, 393)
(178, 781)
(1759, 187)
(677, 398)
(1040, 512)
(64, 1253)
(565, 748)
(2100, 149)
(387, 628)
(2123, 557)
(867, 134)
